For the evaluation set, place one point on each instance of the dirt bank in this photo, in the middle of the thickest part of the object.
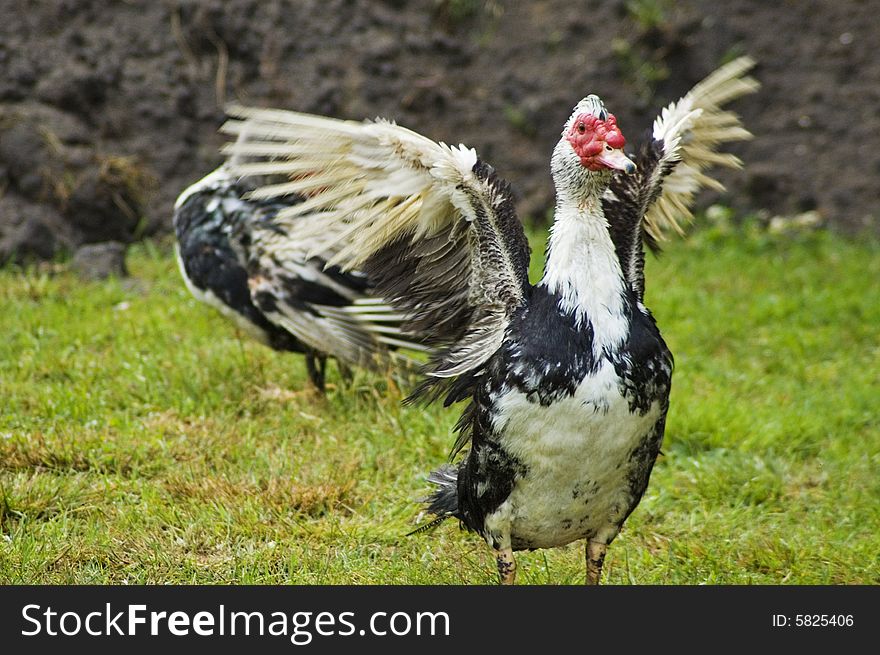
(107, 110)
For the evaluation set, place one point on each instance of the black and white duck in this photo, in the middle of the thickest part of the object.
(567, 382)
(235, 255)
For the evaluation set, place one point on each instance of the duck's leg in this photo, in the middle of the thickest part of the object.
(506, 565)
(316, 366)
(498, 536)
(595, 559)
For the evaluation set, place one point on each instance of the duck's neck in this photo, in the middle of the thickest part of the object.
(582, 268)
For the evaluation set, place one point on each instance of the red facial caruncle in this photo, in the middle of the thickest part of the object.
(598, 143)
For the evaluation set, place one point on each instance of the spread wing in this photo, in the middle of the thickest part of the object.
(433, 227)
(683, 143)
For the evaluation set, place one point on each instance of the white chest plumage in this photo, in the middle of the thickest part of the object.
(576, 451)
(583, 270)
(577, 454)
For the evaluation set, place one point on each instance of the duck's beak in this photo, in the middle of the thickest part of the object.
(615, 159)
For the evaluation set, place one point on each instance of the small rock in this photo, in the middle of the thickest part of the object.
(99, 261)
(719, 214)
(803, 222)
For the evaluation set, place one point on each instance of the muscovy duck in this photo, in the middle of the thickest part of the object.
(567, 381)
(236, 256)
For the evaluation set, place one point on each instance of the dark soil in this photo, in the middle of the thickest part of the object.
(109, 109)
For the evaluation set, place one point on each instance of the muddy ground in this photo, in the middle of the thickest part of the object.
(109, 109)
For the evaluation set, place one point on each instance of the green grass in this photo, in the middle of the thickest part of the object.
(143, 441)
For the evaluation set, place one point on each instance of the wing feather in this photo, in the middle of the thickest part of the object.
(432, 226)
(691, 130)
(672, 162)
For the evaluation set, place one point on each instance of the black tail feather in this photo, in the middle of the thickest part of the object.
(443, 503)
(444, 500)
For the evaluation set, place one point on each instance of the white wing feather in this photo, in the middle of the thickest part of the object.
(691, 130)
(371, 185)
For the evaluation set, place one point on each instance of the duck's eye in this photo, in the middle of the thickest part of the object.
(607, 147)
(581, 128)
